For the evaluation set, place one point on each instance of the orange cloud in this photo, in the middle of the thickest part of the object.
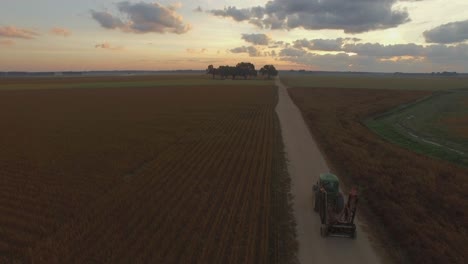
(108, 46)
(14, 32)
(7, 43)
(60, 31)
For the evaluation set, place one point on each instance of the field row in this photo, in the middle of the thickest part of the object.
(189, 183)
(202, 201)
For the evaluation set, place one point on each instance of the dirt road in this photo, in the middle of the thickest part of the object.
(305, 164)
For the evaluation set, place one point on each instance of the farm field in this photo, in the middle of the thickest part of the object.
(418, 204)
(374, 81)
(138, 81)
(436, 126)
(164, 174)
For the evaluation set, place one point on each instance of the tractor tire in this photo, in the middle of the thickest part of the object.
(316, 203)
(322, 215)
(354, 234)
(339, 206)
(323, 230)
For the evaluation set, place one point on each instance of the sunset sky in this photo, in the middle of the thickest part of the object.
(343, 35)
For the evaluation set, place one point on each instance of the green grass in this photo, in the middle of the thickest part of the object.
(374, 82)
(123, 82)
(420, 126)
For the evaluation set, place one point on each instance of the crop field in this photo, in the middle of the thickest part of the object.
(164, 174)
(142, 81)
(437, 126)
(457, 124)
(419, 202)
(374, 81)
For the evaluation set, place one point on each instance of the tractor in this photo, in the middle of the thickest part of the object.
(337, 218)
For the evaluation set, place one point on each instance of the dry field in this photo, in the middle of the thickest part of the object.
(420, 202)
(374, 81)
(139, 175)
(459, 124)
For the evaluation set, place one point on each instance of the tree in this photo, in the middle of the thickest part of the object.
(232, 71)
(246, 69)
(224, 71)
(212, 70)
(269, 70)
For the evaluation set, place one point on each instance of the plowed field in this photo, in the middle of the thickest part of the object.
(142, 175)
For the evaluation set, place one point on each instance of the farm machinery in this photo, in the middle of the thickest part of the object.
(337, 217)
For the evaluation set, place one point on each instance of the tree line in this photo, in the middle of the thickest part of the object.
(242, 69)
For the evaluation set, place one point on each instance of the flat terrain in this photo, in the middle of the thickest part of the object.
(419, 202)
(164, 174)
(138, 81)
(369, 81)
(437, 126)
(305, 163)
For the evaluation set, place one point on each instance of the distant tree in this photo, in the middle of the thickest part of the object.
(268, 70)
(246, 69)
(212, 70)
(224, 71)
(233, 71)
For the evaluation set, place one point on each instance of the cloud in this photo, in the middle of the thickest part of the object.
(379, 50)
(7, 43)
(196, 51)
(14, 32)
(108, 46)
(144, 18)
(60, 31)
(251, 50)
(239, 14)
(278, 44)
(387, 58)
(107, 20)
(349, 45)
(323, 44)
(292, 52)
(354, 16)
(256, 39)
(448, 54)
(448, 33)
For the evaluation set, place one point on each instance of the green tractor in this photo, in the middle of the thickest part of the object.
(337, 217)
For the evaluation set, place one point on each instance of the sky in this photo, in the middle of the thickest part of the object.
(328, 35)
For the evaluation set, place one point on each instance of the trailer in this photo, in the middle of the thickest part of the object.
(337, 217)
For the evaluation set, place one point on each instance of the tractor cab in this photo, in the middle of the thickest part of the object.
(329, 184)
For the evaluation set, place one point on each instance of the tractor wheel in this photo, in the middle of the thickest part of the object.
(322, 216)
(316, 203)
(339, 206)
(324, 231)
